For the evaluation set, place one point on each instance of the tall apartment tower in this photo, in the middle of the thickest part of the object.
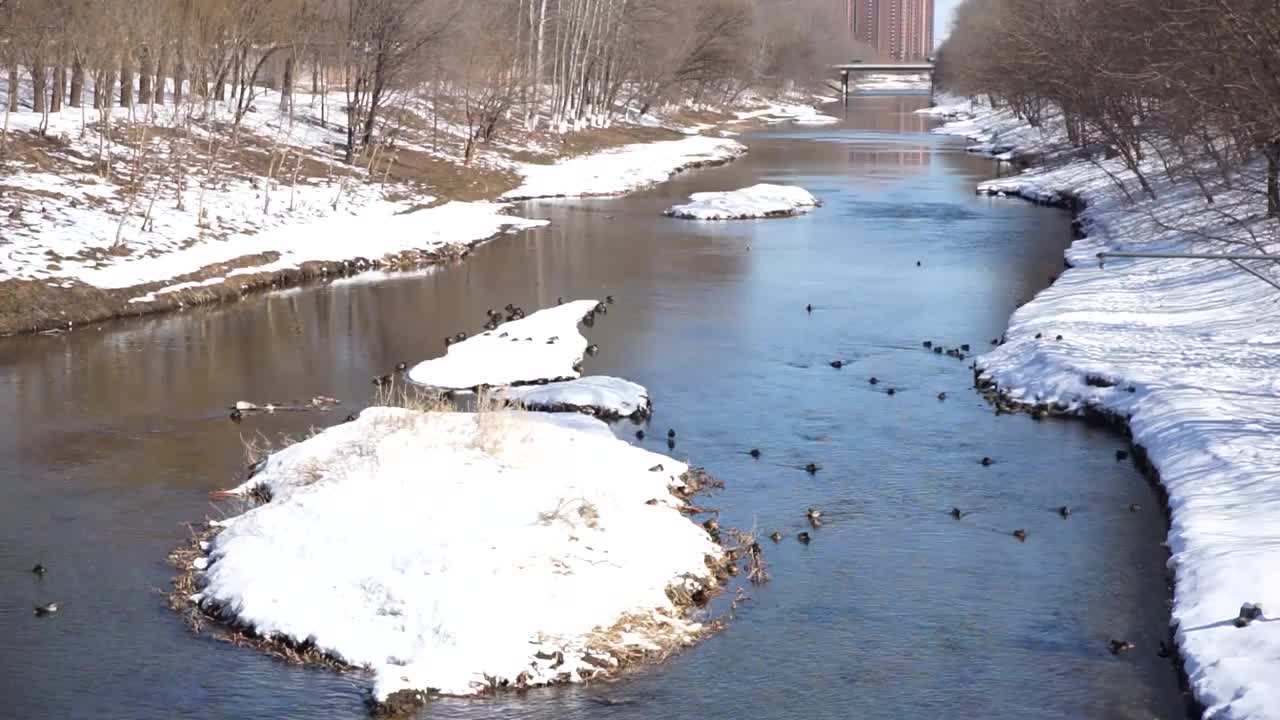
(899, 30)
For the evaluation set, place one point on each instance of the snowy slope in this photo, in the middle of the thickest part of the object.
(1189, 352)
(602, 396)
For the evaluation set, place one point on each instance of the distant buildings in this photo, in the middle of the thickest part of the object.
(899, 30)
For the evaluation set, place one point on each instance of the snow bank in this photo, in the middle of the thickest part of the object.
(622, 170)
(543, 346)
(602, 396)
(758, 201)
(890, 82)
(459, 552)
(1189, 352)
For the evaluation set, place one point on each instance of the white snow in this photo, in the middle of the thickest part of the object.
(890, 82)
(601, 395)
(1189, 351)
(622, 170)
(442, 549)
(757, 201)
(545, 345)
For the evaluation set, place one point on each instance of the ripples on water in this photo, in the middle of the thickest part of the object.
(112, 438)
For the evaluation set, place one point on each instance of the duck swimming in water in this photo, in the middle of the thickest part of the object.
(811, 468)
(755, 453)
(236, 415)
(803, 537)
(927, 344)
(1118, 646)
(814, 516)
(942, 396)
(874, 381)
(890, 392)
(639, 434)
(39, 570)
(837, 364)
(1020, 534)
(808, 308)
(46, 609)
(671, 432)
(1064, 511)
(402, 366)
(593, 350)
(956, 513)
(775, 536)
(608, 299)
(986, 461)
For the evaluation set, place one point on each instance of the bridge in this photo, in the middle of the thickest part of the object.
(847, 69)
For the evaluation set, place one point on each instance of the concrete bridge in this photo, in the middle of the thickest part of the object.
(846, 69)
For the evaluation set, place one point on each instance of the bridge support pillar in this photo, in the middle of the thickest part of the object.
(844, 87)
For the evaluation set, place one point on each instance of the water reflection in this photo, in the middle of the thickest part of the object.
(111, 439)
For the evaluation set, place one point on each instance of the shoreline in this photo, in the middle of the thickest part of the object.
(614, 164)
(1186, 402)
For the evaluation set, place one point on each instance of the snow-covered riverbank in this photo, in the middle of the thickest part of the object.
(1188, 351)
(758, 201)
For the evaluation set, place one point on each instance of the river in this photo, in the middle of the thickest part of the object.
(111, 437)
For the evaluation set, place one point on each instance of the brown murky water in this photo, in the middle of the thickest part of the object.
(111, 437)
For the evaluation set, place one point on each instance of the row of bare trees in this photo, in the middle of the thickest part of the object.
(1190, 88)
(569, 63)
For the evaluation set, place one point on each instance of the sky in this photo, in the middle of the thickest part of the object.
(942, 10)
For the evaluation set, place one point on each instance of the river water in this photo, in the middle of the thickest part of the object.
(111, 437)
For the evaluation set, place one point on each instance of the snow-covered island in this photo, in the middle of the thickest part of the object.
(605, 397)
(458, 553)
(758, 201)
(1186, 353)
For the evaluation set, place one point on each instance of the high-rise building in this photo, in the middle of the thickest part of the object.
(899, 30)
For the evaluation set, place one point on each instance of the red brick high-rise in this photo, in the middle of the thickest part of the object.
(899, 30)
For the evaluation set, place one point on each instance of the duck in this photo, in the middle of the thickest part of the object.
(460, 337)
(1119, 646)
(919, 264)
(1064, 511)
(965, 347)
(814, 516)
(890, 392)
(671, 444)
(559, 301)
(712, 526)
(1039, 335)
(811, 468)
(608, 299)
(1134, 507)
(39, 570)
(236, 415)
(656, 468)
(937, 349)
(671, 433)
(942, 396)
(492, 313)
(1020, 534)
(1164, 650)
(995, 341)
(986, 461)
(351, 417)
(1059, 338)
(775, 536)
(808, 308)
(1122, 455)
(874, 380)
(593, 350)
(46, 609)
(509, 307)
(956, 513)
(927, 344)
(755, 453)
(837, 364)
(402, 366)
(639, 434)
(448, 341)
(803, 537)
(492, 324)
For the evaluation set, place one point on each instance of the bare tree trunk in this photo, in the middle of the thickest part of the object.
(13, 88)
(161, 63)
(145, 75)
(77, 83)
(286, 85)
(39, 86)
(126, 84)
(59, 89)
(179, 75)
(1273, 178)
